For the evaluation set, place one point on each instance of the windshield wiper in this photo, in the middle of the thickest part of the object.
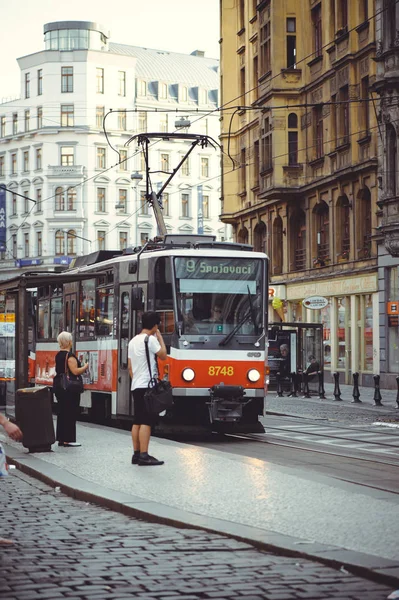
(228, 337)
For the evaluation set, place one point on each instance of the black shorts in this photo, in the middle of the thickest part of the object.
(141, 415)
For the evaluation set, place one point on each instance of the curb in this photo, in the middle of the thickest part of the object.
(375, 568)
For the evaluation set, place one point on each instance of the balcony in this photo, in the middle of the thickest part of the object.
(300, 259)
(58, 171)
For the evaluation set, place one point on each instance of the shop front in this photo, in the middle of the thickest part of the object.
(350, 322)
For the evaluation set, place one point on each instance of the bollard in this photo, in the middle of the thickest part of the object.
(397, 395)
(294, 387)
(279, 386)
(322, 393)
(337, 391)
(377, 391)
(306, 391)
(356, 392)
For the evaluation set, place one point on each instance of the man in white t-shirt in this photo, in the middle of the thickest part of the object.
(139, 372)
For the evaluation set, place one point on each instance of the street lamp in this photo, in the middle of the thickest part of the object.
(182, 123)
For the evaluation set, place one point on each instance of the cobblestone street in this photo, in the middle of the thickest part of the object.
(65, 548)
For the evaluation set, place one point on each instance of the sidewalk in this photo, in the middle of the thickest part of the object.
(277, 508)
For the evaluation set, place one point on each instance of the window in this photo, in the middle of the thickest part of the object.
(185, 207)
(292, 139)
(318, 131)
(122, 240)
(101, 240)
(243, 171)
(105, 310)
(101, 158)
(71, 198)
(99, 81)
(123, 160)
(364, 10)
(67, 116)
(15, 123)
(267, 161)
(26, 160)
(13, 164)
(66, 80)
(163, 123)
(71, 242)
(185, 168)
(265, 63)
(59, 199)
(242, 14)
(343, 15)
(59, 243)
(365, 108)
(255, 78)
(389, 18)
(322, 228)
(67, 156)
(392, 157)
(317, 31)
(205, 207)
(122, 200)
(27, 85)
(291, 43)
(2, 166)
(298, 236)
(26, 202)
(14, 204)
(143, 204)
(204, 166)
(39, 82)
(242, 84)
(343, 116)
(27, 120)
(87, 308)
(165, 203)
(39, 243)
(100, 112)
(38, 159)
(122, 120)
(39, 117)
(165, 163)
(14, 245)
(3, 127)
(101, 200)
(142, 122)
(39, 207)
(121, 83)
(26, 245)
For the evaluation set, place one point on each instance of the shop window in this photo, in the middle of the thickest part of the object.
(277, 246)
(393, 330)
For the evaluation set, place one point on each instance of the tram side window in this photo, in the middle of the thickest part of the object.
(164, 294)
(105, 311)
(87, 308)
(56, 319)
(43, 320)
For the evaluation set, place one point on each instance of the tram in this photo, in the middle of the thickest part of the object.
(216, 367)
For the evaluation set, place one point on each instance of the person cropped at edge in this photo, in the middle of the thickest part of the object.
(12, 430)
(68, 403)
(138, 369)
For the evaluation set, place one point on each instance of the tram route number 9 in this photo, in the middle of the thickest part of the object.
(214, 371)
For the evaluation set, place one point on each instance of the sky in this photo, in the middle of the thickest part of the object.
(177, 26)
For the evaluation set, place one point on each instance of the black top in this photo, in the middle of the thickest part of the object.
(60, 361)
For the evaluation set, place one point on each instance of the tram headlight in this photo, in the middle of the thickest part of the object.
(188, 374)
(253, 375)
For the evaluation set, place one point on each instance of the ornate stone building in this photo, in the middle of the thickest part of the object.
(300, 127)
(387, 88)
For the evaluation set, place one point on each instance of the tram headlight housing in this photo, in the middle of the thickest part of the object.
(253, 375)
(188, 374)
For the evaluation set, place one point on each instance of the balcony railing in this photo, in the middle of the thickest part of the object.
(300, 259)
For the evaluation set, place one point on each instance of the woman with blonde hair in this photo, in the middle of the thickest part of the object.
(68, 403)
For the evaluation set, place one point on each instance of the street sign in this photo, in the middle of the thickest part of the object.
(315, 302)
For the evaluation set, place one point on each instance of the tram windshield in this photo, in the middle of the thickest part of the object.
(218, 295)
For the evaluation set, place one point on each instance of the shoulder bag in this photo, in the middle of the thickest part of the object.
(68, 382)
(159, 395)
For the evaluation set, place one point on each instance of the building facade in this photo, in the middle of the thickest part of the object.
(300, 126)
(387, 88)
(66, 186)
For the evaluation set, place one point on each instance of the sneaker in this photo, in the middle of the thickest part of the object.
(149, 461)
(135, 459)
(71, 444)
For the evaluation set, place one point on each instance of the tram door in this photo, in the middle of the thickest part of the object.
(124, 406)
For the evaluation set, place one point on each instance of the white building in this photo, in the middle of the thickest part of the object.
(67, 191)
